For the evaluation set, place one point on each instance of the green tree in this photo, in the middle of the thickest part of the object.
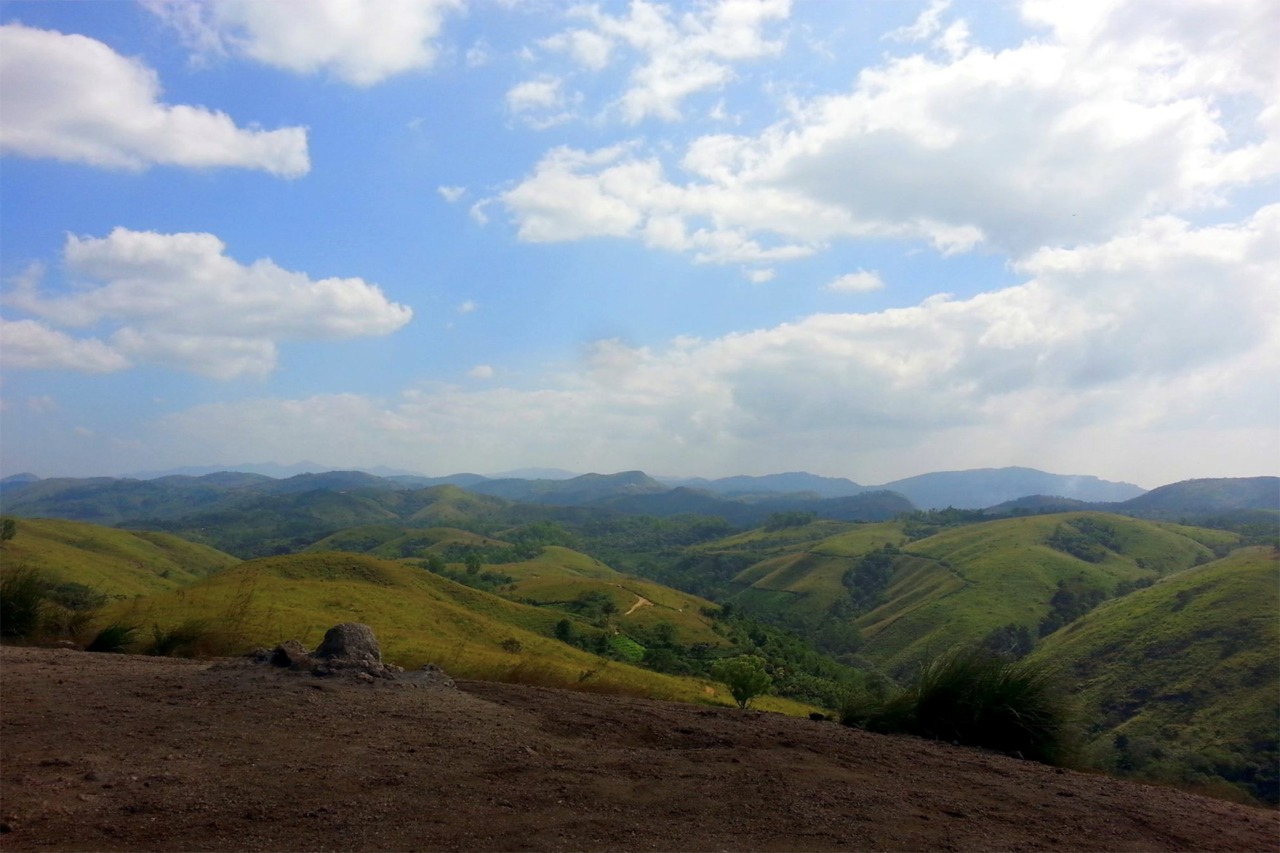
(8, 529)
(745, 677)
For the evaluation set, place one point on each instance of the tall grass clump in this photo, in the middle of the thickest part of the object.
(114, 638)
(192, 638)
(22, 602)
(976, 698)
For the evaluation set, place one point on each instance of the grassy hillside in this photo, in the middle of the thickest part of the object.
(1183, 678)
(910, 599)
(118, 563)
(418, 617)
(562, 578)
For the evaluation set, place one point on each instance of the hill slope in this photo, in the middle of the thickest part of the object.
(990, 486)
(419, 617)
(119, 563)
(1184, 677)
(954, 587)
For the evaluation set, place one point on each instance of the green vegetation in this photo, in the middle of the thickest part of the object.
(1170, 631)
(22, 599)
(1179, 680)
(116, 563)
(745, 676)
(115, 638)
(973, 697)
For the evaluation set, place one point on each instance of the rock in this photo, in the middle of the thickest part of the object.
(290, 653)
(350, 641)
(432, 674)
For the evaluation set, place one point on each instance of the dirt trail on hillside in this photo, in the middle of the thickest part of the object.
(641, 601)
(107, 752)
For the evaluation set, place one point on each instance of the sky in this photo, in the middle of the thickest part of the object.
(862, 239)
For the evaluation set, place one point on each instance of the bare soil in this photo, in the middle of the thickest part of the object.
(108, 752)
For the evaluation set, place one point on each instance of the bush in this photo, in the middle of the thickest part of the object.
(976, 698)
(22, 602)
(745, 677)
(183, 640)
(115, 638)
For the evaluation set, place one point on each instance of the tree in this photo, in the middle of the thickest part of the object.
(745, 677)
(8, 529)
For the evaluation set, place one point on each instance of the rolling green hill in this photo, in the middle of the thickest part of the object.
(1183, 679)
(910, 599)
(119, 563)
(418, 617)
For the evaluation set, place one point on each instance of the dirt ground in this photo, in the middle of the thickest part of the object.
(108, 752)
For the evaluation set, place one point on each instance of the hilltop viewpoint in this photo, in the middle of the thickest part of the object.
(125, 752)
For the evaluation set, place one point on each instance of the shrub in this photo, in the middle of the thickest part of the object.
(976, 698)
(115, 638)
(182, 640)
(22, 602)
(745, 677)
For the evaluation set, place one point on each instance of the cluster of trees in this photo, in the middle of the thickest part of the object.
(866, 580)
(472, 573)
(1085, 539)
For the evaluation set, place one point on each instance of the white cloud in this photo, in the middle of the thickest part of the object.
(862, 281)
(69, 97)
(361, 42)
(925, 26)
(681, 53)
(543, 93)
(1118, 113)
(42, 404)
(467, 307)
(31, 345)
(760, 275)
(1109, 358)
(614, 193)
(481, 371)
(178, 300)
(451, 194)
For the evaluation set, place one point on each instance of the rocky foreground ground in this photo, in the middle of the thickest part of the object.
(115, 752)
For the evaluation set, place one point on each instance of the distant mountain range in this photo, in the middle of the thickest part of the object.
(972, 489)
(739, 500)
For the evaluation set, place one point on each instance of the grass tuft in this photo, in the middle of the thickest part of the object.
(22, 602)
(114, 638)
(973, 697)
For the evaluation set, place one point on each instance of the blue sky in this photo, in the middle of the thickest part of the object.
(861, 239)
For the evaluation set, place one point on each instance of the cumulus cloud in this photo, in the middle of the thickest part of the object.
(31, 345)
(178, 300)
(681, 54)
(614, 192)
(1115, 338)
(451, 194)
(70, 97)
(1107, 114)
(481, 371)
(862, 281)
(361, 42)
(542, 102)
